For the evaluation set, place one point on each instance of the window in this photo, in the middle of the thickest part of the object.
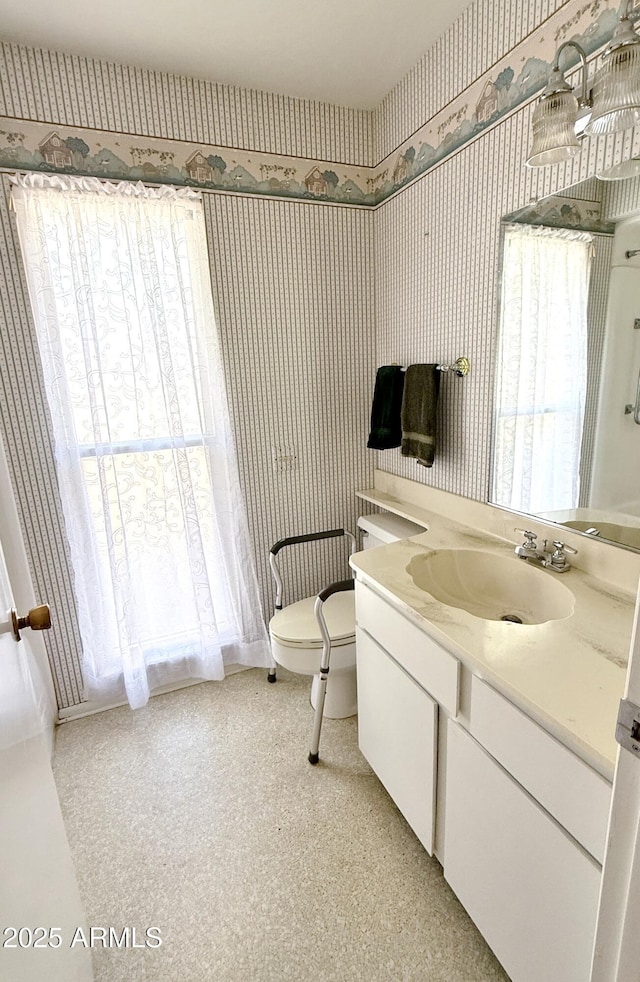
(120, 288)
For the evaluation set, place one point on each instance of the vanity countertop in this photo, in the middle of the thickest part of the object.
(567, 674)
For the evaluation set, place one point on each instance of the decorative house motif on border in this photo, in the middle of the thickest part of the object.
(316, 182)
(198, 168)
(488, 103)
(28, 145)
(56, 152)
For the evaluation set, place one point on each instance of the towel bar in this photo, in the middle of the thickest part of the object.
(461, 367)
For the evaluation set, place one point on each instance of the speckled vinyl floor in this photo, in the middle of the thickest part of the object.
(200, 815)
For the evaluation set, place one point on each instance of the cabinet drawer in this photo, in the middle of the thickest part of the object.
(397, 732)
(431, 666)
(576, 795)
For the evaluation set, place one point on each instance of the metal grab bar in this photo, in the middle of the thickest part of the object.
(328, 591)
(630, 408)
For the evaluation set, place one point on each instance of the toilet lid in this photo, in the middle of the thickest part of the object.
(297, 624)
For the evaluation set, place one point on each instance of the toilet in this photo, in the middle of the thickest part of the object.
(296, 642)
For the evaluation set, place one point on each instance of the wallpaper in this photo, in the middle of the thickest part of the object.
(86, 93)
(311, 293)
(293, 291)
(486, 99)
(484, 33)
(293, 284)
(28, 441)
(437, 262)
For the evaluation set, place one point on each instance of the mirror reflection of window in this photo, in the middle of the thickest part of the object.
(542, 368)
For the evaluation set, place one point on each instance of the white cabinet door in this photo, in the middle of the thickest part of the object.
(40, 904)
(529, 887)
(397, 732)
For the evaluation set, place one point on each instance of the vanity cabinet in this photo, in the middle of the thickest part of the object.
(522, 820)
(403, 677)
(524, 840)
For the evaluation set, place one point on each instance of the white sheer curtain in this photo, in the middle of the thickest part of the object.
(542, 368)
(164, 574)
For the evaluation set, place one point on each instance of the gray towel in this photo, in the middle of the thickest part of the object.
(418, 415)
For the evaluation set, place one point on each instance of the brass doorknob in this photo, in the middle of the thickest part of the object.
(38, 619)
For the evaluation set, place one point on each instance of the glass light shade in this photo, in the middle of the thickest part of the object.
(616, 91)
(553, 126)
(622, 171)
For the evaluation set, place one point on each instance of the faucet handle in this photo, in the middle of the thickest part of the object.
(528, 549)
(558, 559)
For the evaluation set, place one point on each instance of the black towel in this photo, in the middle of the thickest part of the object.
(386, 429)
(419, 403)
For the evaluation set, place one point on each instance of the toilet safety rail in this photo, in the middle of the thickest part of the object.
(324, 595)
(294, 540)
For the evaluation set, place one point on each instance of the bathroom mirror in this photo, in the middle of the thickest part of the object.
(566, 441)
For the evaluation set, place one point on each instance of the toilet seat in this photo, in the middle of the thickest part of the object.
(296, 642)
(297, 626)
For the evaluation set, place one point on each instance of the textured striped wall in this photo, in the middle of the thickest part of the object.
(310, 297)
(621, 198)
(436, 287)
(482, 34)
(51, 86)
(294, 301)
(26, 433)
(293, 286)
(438, 247)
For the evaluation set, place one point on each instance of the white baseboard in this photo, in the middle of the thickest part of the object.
(91, 707)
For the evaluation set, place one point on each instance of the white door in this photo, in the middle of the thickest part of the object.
(40, 906)
(617, 947)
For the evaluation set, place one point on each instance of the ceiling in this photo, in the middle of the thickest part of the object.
(347, 52)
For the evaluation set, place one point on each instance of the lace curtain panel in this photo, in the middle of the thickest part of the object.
(542, 368)
(164, 574)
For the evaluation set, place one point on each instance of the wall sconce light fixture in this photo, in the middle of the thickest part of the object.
(616, 84)
(561, 117)
(554, 119)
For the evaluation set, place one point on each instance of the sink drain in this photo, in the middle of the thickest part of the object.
(511, 618)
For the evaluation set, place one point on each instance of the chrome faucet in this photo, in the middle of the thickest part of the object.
(550, 556)
(529, 548)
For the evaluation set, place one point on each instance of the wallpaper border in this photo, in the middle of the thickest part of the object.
(511, 82)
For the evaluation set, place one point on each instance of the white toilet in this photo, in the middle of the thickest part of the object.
(296, 642)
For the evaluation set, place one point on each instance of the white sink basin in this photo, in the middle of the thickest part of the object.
(497, 588)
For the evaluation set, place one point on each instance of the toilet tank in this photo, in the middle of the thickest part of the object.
(378, 530)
